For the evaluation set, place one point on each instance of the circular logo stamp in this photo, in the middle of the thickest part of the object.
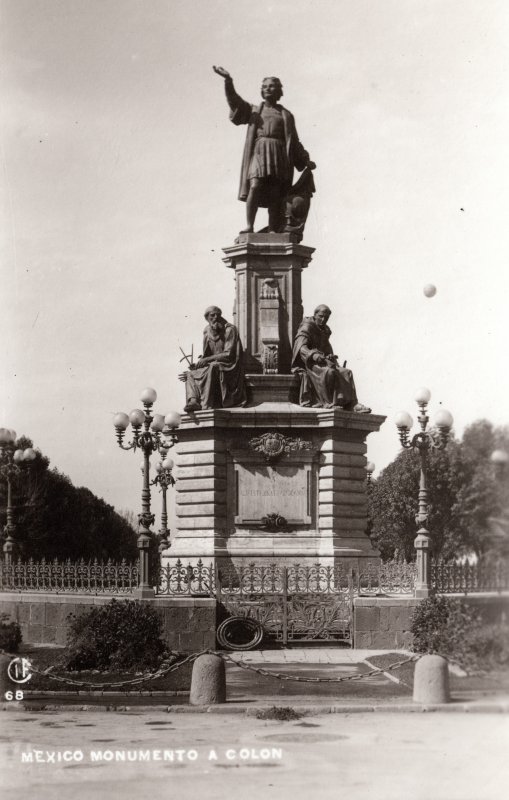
(19, 670)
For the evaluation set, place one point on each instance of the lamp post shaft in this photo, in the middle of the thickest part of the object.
(9, 544)
(147, 437)
(164, 514)
(423, 442)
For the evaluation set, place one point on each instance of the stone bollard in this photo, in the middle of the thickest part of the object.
(431, 681)
(208, 681)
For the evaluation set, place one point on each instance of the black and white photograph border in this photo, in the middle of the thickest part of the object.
(308, 370)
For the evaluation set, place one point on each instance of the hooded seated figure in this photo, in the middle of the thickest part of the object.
(217, 378)
(324, 384)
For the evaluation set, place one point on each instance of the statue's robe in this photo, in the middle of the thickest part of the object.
(243, 113)
(219, 384)
(321, 385)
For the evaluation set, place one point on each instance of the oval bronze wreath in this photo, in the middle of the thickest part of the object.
(239, 633)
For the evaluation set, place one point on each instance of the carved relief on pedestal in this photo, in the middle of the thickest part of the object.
(269, 305)
(275, 482)
(273, 445)
(270, 359)
(270, 289)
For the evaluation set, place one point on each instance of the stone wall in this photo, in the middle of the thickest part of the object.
(189, 624)
(384, 622)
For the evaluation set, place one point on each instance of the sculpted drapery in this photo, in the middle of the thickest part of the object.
(217, 379)
(323, 382)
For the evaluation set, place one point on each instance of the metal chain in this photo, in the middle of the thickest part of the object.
(173, 667)
(165, 670)
(117, 684)
(353, 677)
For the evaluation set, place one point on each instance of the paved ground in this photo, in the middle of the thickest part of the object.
(309, 655)
(60, 754)
(247, 688)
(360, 757)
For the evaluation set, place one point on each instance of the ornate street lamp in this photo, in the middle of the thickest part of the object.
(500, 460)
(12, 461)
(370, 468)
(151, 433)
(423, 442)
(164, 479)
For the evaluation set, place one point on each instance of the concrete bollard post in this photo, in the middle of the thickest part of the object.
(431, 681)
(208, 681)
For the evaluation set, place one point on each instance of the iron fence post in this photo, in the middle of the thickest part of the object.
(285, 605)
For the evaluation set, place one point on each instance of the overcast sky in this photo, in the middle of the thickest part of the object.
(119, 184)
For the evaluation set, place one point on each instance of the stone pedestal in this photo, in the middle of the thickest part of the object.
(274, 482)
(268, 299)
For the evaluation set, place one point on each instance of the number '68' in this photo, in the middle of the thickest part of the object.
(17, 695)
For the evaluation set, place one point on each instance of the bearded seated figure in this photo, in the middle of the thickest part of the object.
(324, 384)
(217, 378)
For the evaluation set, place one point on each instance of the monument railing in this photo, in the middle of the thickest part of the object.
(451, 577)
(396, 577)
(83, 577)
(244, 579)
(198, 578)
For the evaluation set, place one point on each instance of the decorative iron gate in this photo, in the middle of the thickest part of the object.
(294, 603)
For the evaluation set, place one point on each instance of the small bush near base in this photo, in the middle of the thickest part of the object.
(449, 627)
(281, 713)
(122, 635)
(10, 634)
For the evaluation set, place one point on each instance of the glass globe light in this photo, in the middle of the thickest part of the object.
(499, 457)
(172, 419)
(443, 419)
(121, 421)
(159, 466)
(148, 396)
(403, 420)
(4, 436)
(157, 422)
(370, 467)
(29, 454)
(168, 463)
(422, 395)
(17, 456)
(137, 418)
(12, 434)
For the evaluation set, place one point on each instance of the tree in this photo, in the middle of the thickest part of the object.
(55, 519)
(464, 496)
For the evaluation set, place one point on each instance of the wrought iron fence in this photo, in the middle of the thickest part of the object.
(394, 577)
(87, 577)
(388, 577)
(448, 577)
(180, 579)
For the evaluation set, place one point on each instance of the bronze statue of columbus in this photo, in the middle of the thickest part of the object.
(271, 153)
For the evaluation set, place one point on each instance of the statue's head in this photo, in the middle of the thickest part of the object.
(272, 88)
(321, 315)
(213, 315)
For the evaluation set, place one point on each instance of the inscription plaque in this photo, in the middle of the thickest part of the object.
(264, 489)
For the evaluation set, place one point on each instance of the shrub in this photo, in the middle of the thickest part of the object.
(10, 634)
(490, 646)
(122, 635)
(449, 627)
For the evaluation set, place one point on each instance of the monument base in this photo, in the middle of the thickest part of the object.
(273, 482)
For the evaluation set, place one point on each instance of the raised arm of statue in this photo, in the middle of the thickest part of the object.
(221, 71)
(240, 110)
